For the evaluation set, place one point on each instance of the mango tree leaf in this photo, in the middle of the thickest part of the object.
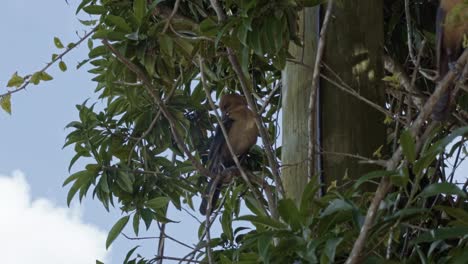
(15, 80)
(408, 146)
(116, 230)
(45, 76)
(373, 175)
(95, 10)
(129, 254)
(442, 234)
(5, 103)
(119, 22)
(442, 188)
(139, 8)
(457, 213)
(262, 220)
(157, 203)
(58, 43)
(337, 205)
(289, 212)
(62, 66)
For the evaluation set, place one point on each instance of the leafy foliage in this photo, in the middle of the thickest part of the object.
(137, 163)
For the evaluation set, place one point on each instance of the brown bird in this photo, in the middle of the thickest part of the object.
(242, 131)
(451, 27)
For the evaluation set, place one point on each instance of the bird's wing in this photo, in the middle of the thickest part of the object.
(218, 142)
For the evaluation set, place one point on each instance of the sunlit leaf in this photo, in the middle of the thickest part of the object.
(116, 230)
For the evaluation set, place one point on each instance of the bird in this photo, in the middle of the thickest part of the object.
(242, 131)
(451, 28)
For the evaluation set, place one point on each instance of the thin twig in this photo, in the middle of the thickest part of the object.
(385, 184)
(47, 66)
(266, 102)
(248, 95)
(313, 92)
(174, 11)
(358, 96)
(409, 32)
(225, 133)
(392, 66)
(363, 159)
(150, 88)
(413, 79)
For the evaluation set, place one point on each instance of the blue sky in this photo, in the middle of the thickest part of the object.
(32, 160)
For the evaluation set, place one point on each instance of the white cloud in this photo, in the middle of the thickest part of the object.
(40, 232)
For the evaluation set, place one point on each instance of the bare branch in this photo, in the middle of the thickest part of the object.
(395, 68)
(385, 184)
(314, 87)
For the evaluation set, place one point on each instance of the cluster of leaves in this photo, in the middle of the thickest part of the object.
(129, 141)
(417, 223)
(135, 158)
(18, 83)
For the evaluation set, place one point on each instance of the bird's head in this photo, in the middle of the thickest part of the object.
(230, 102)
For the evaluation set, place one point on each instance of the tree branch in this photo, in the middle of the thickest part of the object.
(248, 95)
(385, 184)
(149, 87)
(313, 93)
(47, 66)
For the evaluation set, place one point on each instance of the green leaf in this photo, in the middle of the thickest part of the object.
(95, 10)
(226, 224)
(36, 78)
(457, 213)
(58, 43)
(262, 220)
(97, 51)
(157, 203)
(309, 194)
(335, 206)
(136, 223)
(441, 234)
(45, 76)
(442, 188)
(99, 262)
(263, 243)
(81, 181)
(129, 254)
(328, 255)
(166, 45)
(408, 146)
(5, 103)
(74, 176)
(373, 175)
(116, 230)
(62, 66)
(289, 212)
(82, 4)
(15, 80)
(119, 22)
(139, 8)
(125, 181)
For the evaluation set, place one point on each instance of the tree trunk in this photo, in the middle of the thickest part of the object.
(354, 49)
(297, 79)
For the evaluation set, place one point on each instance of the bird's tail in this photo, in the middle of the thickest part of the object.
(442, 107)
(210, 193)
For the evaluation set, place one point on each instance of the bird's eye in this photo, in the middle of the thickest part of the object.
(226, 107)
